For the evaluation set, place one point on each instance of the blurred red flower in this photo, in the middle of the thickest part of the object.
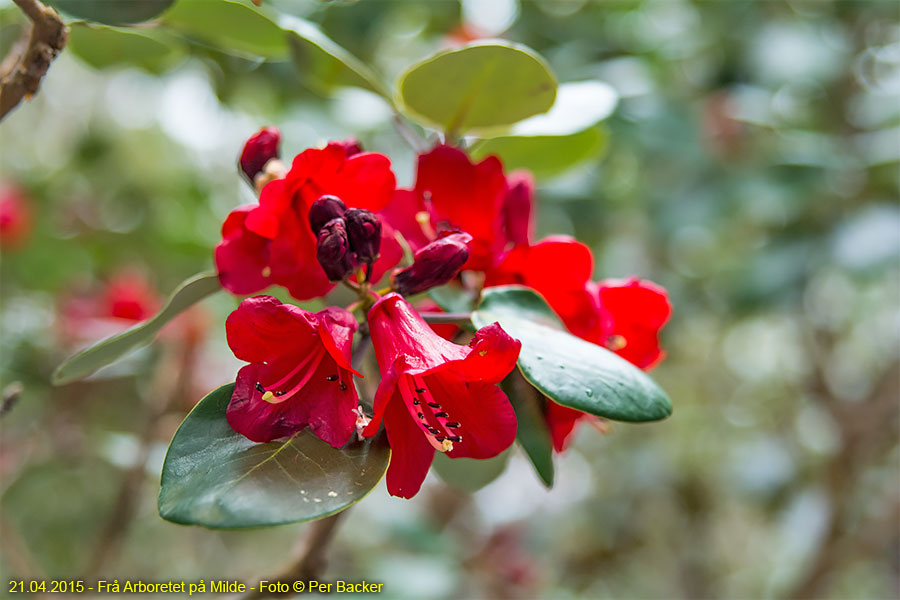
(15, 217)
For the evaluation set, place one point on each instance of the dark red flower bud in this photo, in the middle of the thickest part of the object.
(517, 207)
(323, 210)
(364, 233)
(434, 264)
(333, 250)
(258, 150)
(351, 146)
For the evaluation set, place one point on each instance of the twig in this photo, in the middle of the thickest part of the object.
(453, 318)
(311, 558)
(409, 135)
(49, 35)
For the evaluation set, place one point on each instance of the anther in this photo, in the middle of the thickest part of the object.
(420, 390)
(416, 402)
(441, 415)
(331, 378)
(455, 438)
(343, 386)
(434, 405)
(439, 438)
(452, 425)
(421, 416)
(279, 393)
(260, 388)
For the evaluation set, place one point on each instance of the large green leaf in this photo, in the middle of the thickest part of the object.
(545, 155)
(481, 85)
(323, 64)
(151, 49)
(567, 369)
(111, 349)
(217, 478)
(113, 12)
(469, 474)
(532, 432)
(230, 26)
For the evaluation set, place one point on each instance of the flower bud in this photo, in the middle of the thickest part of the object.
(333, 250)
(364, 233)
(434, 264)
(323, 210)
(517, 207)
(258, 150)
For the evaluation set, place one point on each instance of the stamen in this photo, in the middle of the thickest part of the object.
(343, 386)
(331, 378)
(260, 388)
(455, 438)
(416, 402)
(452, 425)
(421, 416)
(279, 393)
(421, 390)
(268, 396)
(434, 405)
(441, 415)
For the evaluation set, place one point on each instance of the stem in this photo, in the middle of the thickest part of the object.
(49, 35)
(409, 135)
(310, 561)
(441, 317)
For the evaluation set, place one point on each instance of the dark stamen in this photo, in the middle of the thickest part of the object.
(441, 415)
(279, 393)
(331, 378)
(434, 405)
(439, 438)
(416, 402)
(432, 430)
(452, 425)
(343, 386)
(260, 388)
(421, 416)
(420, 390)
(455, 438)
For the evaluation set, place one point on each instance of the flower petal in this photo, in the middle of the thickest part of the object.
(636, 311)
(242, 256)
(336, 329)
(562, 421)
(262, 329)
(493, 356)
(411, 454)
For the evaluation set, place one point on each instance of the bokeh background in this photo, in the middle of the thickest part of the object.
(750, 167)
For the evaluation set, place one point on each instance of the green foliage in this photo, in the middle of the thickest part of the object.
(229, 26)
(569, 370)
(481, 85)
(532, 432)
(468, 474)
(110, 350)
(153, 50)
(545, 155)
(324, 65)
(217, 478)
(113, 12)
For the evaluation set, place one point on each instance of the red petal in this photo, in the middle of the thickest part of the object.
(262, 329)
(336, 328)
(635, 310)
(561, 420)
(493, 356)
(292, 257)
(401, 213)
(365, 181)
(411, 454)
(241, 256)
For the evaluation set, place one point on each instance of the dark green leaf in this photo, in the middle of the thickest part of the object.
(323, 64)
(229, 26)
(469, 474)
(486, 84)
(151, 49)
(110, 350)
(567, 369)
(217, 478)
(113, 12)
(532, 432)
(545, 156)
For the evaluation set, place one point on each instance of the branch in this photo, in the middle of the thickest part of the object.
(452, 318)
(49, 35)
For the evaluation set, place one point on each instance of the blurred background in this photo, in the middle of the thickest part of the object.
(750, 167)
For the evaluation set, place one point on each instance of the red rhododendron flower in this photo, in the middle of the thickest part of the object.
(437, 395)
(272, 243)
(15, 218)
(299, 372)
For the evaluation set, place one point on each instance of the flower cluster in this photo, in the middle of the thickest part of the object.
(336, 217)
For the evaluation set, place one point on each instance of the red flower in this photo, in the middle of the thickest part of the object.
(258, 150)
(272, 243)
(625, 316)
(15, 218)
(436, 395)
(299, 372)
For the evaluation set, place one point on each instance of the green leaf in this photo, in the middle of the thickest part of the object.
(113, 12)
(567, 369)
(481, 85)
(469, 474)
(532, 433)
(323, 64)
(151, 49)
(111, 349)
(215, 477)
(545, 156)
(230, 26)
(452, 298)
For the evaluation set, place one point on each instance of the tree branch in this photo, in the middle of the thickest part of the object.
(49, 35)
